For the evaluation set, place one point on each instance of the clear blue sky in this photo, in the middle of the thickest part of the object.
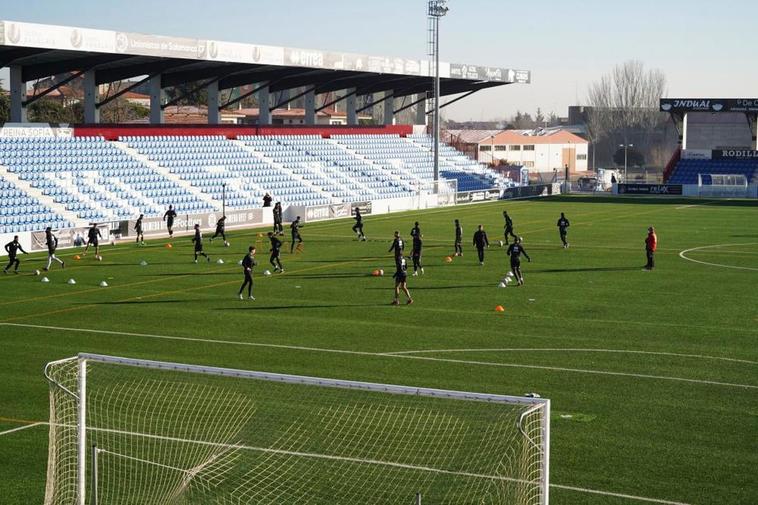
(705, 48)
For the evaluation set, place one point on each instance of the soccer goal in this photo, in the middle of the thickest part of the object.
(723, 185)
(128, 431)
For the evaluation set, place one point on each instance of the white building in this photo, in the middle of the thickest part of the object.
(538, 150)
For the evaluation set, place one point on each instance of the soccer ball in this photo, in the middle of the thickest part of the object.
(227, 244)
(501, 243)
(36, 272)
(267, 273)
(381, 272)
(99, 258)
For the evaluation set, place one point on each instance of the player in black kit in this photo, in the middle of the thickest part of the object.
(563, 225)
(358, 226)
(416, 253)
(515, 251)
(198, 240)
(508, 227)
(480, 242)
(277, 212)
(169, 217)
(415, 230)
(276, 246)
(295, 230)
(138, 230)
(397, 247)
(12, 248)
(458, 239)
(93, 236)
(221, 230)
(248, 262)
(51, 241)
(401, 281)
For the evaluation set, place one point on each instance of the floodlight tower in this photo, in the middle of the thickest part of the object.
(437, 9)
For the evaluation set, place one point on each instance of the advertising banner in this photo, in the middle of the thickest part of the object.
(185, 222)
(322, 212)
(59, 37)
(740, 154)
(477, 196)
(365, 208)
(536, 190)
(683, 105)
(22, 130)
(70, 237)
(649, 189)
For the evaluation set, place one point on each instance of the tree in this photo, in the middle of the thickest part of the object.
(624, 104)
(45, 110)
(625, 99)
(553, 119)
(539, 118)
(5, 107)
(634, 158)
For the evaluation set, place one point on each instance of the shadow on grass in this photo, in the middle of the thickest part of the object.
(185, 274)
(645, 200)
(435, 288)
(249, 306)
(586, 269)
(327, 276)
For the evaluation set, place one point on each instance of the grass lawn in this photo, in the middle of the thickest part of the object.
(653, 376)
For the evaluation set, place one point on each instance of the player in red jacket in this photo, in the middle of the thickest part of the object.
(651, 244)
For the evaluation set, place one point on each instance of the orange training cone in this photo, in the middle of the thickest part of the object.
(499, 308)
(449, 259)
(169, 246)
(77, 257)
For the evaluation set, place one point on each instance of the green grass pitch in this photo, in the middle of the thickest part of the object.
(653, 376)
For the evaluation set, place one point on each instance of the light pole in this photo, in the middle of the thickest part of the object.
(626, 158)
(492, 150)
(437, 9)
(223, 199)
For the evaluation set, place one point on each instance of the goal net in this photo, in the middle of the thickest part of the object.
(723, 185)
(128, 431)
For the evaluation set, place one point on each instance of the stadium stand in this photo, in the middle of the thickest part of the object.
(93, 179)
(66, 181)
(687, 170)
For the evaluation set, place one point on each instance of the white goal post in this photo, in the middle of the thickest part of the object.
(125, 431)
(723, 185)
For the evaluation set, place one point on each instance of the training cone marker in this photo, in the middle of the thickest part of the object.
(71, 281)
(77, 257)
(449, 259)
(220, 261)
(45, 279)
(381, 272)
(266, 272)
(499, 308)
(36, 272)
(143, 263)
(239, 262)
(169, 246)
(103, 284)
(509, 275)
(501, 285)
(375, 273)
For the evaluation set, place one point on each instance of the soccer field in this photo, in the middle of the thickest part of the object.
(653, 376)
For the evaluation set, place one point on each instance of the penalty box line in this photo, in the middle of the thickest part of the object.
(387, 355)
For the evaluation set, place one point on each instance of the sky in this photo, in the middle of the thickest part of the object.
(705, 48)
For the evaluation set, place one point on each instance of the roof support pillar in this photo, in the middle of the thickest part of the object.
(91, 97)
(264, 105)
(156, 100)
(18, 95)
(310, 107)
(214, 114)
(389, 107)
(421, 109)
(352, 107)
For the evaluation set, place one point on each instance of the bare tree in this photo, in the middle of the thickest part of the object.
(625, 101)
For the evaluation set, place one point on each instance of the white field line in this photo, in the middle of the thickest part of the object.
(683, 255)
(388, 355)
(556, 349)
(362, 461)
(8, 432)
